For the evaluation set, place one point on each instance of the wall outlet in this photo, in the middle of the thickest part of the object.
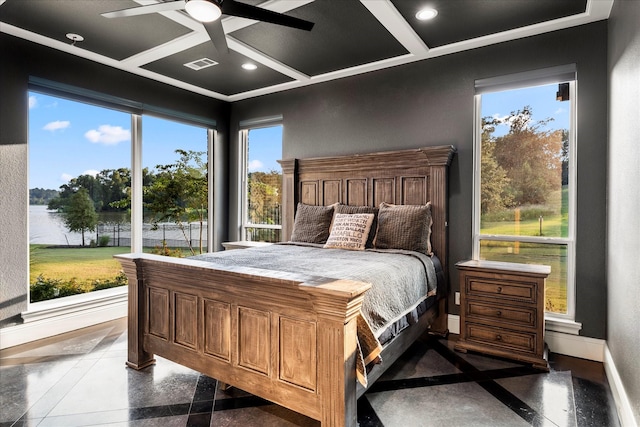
(457, 298)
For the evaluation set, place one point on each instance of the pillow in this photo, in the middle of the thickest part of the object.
(349, 231)
(311, 224)
(347, 209)
(404, 227)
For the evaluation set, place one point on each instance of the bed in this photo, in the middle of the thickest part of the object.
(293, 336)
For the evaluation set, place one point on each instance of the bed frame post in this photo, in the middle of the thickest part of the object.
(438, 191)
(336, 334)
(289, 196)
(137, 357)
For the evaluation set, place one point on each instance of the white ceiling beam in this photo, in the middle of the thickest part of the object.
(592, 14)
(385, 12)
(92, 56)
(265, 60)
(166, 49)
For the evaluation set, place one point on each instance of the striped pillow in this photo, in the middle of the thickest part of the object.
(404, 227)
(351, 209)
(349, 231)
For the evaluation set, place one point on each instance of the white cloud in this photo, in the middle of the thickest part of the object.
(107, 134)
(65, 177)
(33, 102)
(91, 172)
(255, 165)
(560, 111)
(58, 124)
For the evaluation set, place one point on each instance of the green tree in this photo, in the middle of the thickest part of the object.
(40, 196)
(531, 157)
(179, 193)
(80, 214)
(265, 193)
(494, 185)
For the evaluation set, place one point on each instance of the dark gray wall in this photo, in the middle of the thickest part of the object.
(21, 59)
(623, 252)
(431, 103)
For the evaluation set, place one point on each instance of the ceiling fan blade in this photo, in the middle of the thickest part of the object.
(243, 10)
(216, 33)
(143, 10)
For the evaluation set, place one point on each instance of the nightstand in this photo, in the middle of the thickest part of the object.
(243, 245)
(502, 310)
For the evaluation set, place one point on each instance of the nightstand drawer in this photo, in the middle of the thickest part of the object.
(518, 341)
(477, 286)
(523, 316)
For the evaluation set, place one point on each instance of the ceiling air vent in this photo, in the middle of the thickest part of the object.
(199, 64)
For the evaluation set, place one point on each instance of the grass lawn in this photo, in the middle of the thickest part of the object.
(530, 253)
(79, 263)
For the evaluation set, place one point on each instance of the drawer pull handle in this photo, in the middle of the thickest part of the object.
(498, 313)
(499, 289)
(498, 337)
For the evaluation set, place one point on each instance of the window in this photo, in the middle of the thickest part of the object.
(78, 166)
(176, 187)
(87, 182)
(525, 182)
(261, 183)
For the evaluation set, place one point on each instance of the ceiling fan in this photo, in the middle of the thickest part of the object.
(209, 11)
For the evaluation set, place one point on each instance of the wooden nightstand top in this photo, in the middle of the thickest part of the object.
(511, 267)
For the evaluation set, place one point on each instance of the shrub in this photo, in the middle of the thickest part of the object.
(104, 240)
(46, 288)
(167, 251)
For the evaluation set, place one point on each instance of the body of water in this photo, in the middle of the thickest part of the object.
(47, 227)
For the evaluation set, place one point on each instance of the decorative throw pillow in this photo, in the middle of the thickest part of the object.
(348, 209)
(349, 231)
(311, 224)
(404, 227)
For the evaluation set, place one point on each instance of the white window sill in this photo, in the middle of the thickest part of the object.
(74, 303)
(48, 318)
(564, 326)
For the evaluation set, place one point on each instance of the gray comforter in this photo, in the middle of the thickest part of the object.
(400, 279)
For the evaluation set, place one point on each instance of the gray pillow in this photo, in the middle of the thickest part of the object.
(312, 223)
(404, 227)
(347, 209)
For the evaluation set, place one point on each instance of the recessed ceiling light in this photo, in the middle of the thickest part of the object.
(426, 14)
(249, 66)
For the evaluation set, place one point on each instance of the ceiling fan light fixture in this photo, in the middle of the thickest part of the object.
(426, 14)
(203, 10)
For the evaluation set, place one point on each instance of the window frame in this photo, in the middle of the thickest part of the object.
(243, 135)
(563, 74)
(136, 111)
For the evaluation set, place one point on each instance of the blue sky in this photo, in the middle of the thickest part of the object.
(68, 139)
(542, 100)
(265, 148)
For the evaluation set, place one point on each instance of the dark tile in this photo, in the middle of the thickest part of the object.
(80, 378)
(594, 404)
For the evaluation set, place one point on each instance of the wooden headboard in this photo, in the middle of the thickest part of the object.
(406, 177)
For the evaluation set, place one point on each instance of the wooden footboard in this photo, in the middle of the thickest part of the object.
(275, 335)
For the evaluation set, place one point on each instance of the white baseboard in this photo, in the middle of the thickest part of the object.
(54, 318)
(575, 345)
(623, 405)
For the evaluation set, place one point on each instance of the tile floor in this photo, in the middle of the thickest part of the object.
(79, 379)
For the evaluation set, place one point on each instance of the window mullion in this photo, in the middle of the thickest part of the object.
(136, 183)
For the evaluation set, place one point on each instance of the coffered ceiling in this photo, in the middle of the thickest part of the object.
(349, 37)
